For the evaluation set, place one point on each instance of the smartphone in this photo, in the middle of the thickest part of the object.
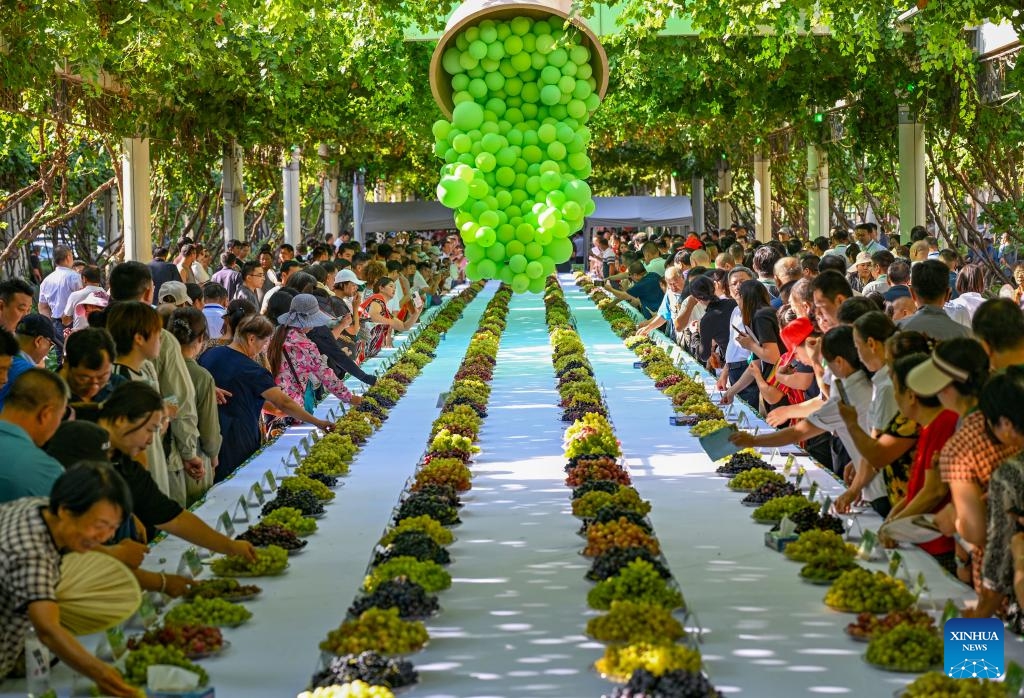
(842, 392)
(738, 330)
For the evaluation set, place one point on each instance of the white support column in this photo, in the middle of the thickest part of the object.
(292, 202)
(234, 193)
(697, 203)
(331, 203)
(763, 197)
(138, 240)
(818, 205)
(724, 190)
(912, 171)
(358, 199)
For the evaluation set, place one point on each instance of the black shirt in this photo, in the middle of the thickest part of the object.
(149, 504)
(714, 325)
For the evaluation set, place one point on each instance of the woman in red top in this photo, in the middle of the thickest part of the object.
(926, 492)
(381, 322)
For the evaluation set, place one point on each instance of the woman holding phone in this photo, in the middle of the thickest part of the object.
(759, 335)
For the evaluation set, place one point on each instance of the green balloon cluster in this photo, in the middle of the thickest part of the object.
(515, 150)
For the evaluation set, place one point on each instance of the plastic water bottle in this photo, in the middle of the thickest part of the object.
(37, 664)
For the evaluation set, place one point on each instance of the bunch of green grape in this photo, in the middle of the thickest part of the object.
(638, 581)
(138, 662)
(330, 455)
(292, 519)
(752, 479)
(378, 629)
(935, 684)
(906, 648)
(625, 498)
(818, 542)
(423, 524)
(269, 561)
(708, 426)
(515, 150)
(429, 575)
(859, 590)
(297, 483)
(620, 661)
(630, 621)
(217, 612)
(776, 509)
(444, 471)
(352, 689)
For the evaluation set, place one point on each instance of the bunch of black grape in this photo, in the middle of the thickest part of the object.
(607, 514)
(303, 500)
(741, 462)
(373, 408)
(262, 535)
(770, 490)
(411, 600)
(329, 480)
(671, 684)
(445, 492)
(609, 486)
(415, 544)
(808, 519)
(437, 508)
(609, 563)
(369, 667)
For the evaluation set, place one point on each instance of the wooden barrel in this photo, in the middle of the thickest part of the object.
(474, 11)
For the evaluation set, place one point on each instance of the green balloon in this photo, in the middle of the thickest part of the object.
(560, 230)
(485, 237)
(531, 94)
(488, 219)
(462, 143)
(593, 102)
(571, 210)
(547, 133)
(488, 269)
(584, 71)
(550, 75)
(495, 252)
(513, 248)
(520, 283)
(450, 61)
(577, 108)
(558, 57)
(520, 61)
(505, 233)
(560, 250)
(549, 181)
(467, 61)
(473, 272)
(534, 270)
(517, 263)
(548, 265)
(452, 192)
(537, 285)
(544, 237)
(556, 151)
(478, 189)
(505, 274)
(496, 51)
(486, 162)
(579, 55)
(555, 199)
(492, 143)
(474, 252)
(478, 49)
(467, 116)
(462, 218)
(441, 129)
(513, 44)
(534, 250)
(550, 94)
(577, 190)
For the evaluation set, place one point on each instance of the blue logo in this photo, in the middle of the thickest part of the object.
(973, 648)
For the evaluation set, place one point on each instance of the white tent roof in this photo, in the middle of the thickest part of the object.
(407, 215)
(612, 211)
(640, 211)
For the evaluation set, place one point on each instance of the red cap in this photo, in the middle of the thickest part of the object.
(692, 243)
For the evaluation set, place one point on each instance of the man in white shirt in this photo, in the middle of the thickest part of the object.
(55, 290)
(737, 357)
(866, 238)
(91, 278)
(215, 300)
(841, 355)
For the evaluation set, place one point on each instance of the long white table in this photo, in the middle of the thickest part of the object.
(275, 653)
(768, 633)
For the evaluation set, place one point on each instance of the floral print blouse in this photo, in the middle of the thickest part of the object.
(306, 364)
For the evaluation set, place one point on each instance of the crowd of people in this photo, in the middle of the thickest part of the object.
(124, 396)
(900, 367)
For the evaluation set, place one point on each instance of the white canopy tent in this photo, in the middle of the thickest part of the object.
(611, 212)
(641, 211)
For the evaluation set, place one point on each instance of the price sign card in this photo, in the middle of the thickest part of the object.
(867, 545)
(788, 467)
(812, 493)
(826, 505)
(270, 481)
(256, 494)
(225, 525)
(190, 565)
(242, 509)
